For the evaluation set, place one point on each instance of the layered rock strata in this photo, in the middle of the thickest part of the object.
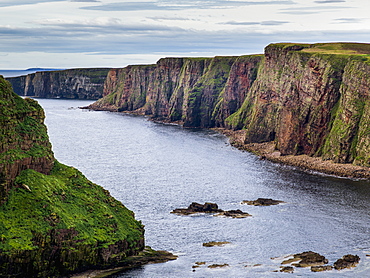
(308, 99)
(72, 83)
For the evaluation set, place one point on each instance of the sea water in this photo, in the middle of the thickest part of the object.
(153, 168)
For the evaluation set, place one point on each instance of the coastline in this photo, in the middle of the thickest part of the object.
(317, 164)
(267, 151)
(147, 256)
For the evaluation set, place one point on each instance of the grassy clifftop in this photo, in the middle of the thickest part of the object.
(23, 139)
(53, 221)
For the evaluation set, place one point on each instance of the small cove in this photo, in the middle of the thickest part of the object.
(153, 168)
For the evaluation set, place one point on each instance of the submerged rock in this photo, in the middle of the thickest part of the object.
(217, 265)
(262, 202)
(198, 208)
(234, 214)
(320, 268)
(287, 269)
(215, 243)
(347, 261)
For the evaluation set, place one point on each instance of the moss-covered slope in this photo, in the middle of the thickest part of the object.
(53, 221)
(24, 142)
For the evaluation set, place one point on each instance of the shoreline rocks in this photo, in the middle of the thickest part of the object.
(147, 256)
(268, 151)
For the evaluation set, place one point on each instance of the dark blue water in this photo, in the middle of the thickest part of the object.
(154, 168)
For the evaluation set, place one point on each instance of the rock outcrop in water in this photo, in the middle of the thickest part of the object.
(53, 221)
(72, 83)
(307, 99)
(211, 208)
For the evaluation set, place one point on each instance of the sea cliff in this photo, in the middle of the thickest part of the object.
(53, 221)
(72, 83)
(308, 99)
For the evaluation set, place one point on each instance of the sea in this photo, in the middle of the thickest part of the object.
(154, 168)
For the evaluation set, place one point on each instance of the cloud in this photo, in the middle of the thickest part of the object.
(163, 18)
(181, 5)
(249, 23)
(84, 1)
(311, 10)
(9, 3)
(348, 20)
(113, 37)
(329, 1)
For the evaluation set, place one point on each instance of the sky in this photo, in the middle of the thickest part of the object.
(112, 33)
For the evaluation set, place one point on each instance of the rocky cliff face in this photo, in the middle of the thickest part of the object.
(53, 221)
(23, 143)
(310, 102)
(197, 92)
(73, 83)
(308, 99)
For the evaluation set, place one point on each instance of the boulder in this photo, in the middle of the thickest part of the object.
(347, 261)
(198, 208)
(307, 259)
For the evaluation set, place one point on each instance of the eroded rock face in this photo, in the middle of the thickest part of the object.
(305, 101)
(197, 92)
(24, 143)
(72, 83)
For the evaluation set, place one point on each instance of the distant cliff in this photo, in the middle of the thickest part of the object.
(71, 83)
(53, 221)
(308, 98)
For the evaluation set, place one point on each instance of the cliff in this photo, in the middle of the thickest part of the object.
(308, 98)
(53, 221)
(71, 83)
(311, 99)
(196, 92)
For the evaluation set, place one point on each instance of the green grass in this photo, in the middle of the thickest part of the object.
(65, 199)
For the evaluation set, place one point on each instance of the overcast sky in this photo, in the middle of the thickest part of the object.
(112, 33)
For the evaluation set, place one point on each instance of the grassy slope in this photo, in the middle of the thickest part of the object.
(65, 199)
(56, 222)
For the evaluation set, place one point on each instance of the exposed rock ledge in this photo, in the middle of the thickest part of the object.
(267, 151)
(147, 256)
